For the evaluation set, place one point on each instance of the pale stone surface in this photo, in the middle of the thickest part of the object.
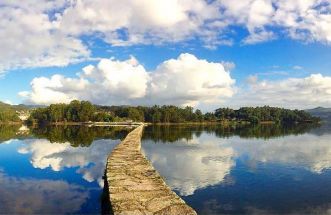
(135, 187)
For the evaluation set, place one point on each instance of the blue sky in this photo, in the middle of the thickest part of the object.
(200, 53)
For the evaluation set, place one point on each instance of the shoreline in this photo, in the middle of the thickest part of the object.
(99, 123)
(91, 124)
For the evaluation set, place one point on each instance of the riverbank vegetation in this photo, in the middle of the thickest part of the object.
(265, 114)
(84, 111)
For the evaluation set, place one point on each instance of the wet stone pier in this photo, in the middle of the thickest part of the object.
(135, 187)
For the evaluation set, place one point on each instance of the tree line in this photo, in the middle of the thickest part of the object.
(264, 114)
(75, 111)
(84, 111)
(157, 114)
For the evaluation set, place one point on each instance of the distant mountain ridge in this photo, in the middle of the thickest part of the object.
(15, 113)
(323, 113)
(20, 107)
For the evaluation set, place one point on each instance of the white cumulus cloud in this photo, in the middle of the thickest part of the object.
(181, 81)
(307, 20)
(130, 22)
(189, 80)
(30, 38)
(50, 33)
(306, 92)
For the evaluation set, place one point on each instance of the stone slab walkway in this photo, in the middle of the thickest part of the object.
(135, 187)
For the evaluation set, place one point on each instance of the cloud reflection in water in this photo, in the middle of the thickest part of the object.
(188, 165)
(308, 151)
(191, 165)
(39, 196)
(90, 160)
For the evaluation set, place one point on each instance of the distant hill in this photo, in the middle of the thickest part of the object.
(15, 113)
(8, 113)
(20, 107)
(323, 113)
(4, 105)
(26, 107)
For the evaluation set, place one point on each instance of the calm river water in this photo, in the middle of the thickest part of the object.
(215, 169)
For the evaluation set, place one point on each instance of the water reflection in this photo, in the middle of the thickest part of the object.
(79, 135)
(216, 169)
(39, 196)
(8, 132)
(54, 169)
(308, 151)
(199, 159)
(90, 162)
(75, 135)
(193, 164)
(264, 131)
(66, 146)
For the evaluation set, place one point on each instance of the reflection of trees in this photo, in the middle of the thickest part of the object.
(171, 133)
(264, 131)
(8, 132)
(84, 136)
(79, 135)
(322, 130)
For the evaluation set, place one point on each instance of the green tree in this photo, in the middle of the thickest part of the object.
(135, 114)
(199, 115)
(156, 118)
(86, 111)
